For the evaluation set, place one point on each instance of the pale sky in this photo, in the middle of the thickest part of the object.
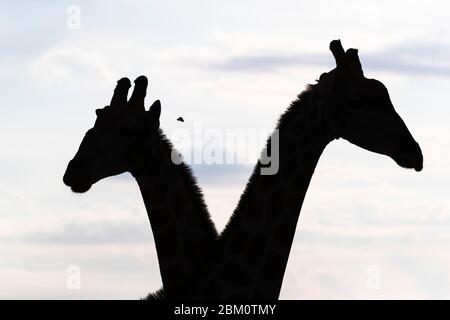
(227, 66)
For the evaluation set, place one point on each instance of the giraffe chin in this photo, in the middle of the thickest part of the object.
(82, 188)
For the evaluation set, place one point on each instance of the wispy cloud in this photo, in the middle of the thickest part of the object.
(68, 64)
(87, 233)
(413, 58)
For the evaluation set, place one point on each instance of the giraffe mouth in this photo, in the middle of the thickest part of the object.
(77, 183)
(79, 186)
(411, 161)
(408, 164)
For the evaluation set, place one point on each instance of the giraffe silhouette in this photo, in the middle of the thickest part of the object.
(250, 257)
(127, 138)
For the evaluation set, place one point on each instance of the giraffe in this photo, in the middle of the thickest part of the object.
(127, 138)
(319, 116)
(249, 259)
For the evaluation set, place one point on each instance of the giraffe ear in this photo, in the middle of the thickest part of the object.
(153, 114)
(155, 109)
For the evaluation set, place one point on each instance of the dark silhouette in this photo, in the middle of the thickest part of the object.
(126, 138)
(180, 119)
(249, 259)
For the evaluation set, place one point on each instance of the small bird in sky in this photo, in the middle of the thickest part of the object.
(180, 119)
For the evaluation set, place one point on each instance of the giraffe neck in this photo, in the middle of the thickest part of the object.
(178, 215)
(255, 245)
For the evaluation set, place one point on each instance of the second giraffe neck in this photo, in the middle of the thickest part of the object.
(255, 244)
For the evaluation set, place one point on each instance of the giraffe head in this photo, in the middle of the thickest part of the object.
(116, 142)
(360, 111)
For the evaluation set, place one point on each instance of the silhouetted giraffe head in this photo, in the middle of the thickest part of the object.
(117, 141)
(360, 111)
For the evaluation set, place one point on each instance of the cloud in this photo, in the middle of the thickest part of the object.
(71, 64)
(39, 270)
(87, 223)
(270, 61)
(88, 233)
(405, 58)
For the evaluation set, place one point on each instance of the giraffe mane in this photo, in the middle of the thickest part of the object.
(189, 178)
(285, 117)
